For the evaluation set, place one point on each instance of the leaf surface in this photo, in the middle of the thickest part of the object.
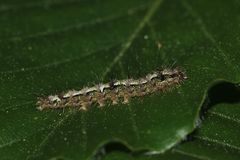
(53, 46)
(217, 138)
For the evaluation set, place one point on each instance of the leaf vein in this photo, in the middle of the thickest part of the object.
(60, 62)
(131, 38)
(191, 154)
(94, 22)
(206, 33)
(52, 132)
(225, 116)
(217, 142)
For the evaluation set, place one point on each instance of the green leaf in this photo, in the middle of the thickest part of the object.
(216, 139)
(53, 46)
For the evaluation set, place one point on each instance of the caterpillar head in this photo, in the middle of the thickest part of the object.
(173, 73)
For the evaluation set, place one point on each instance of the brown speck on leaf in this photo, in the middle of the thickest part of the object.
(159, 45)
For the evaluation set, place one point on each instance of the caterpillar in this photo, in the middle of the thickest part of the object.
(114, 92)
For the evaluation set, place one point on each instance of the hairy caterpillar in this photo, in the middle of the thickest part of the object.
(119, 91)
